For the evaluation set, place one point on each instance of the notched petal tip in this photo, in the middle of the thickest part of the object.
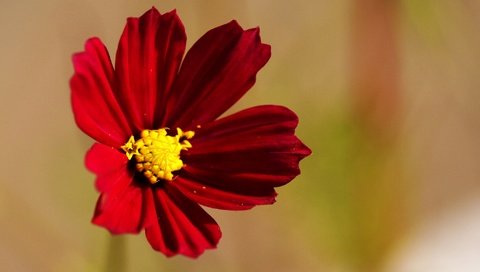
(89, 44)
(303, 150)
(151, 12)
(216, 72)
(265, 50)
(234, 24)
(183, 227)
(254, 32)
(155, 13)
(92, 42)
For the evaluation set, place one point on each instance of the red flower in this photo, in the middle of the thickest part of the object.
(162, 149)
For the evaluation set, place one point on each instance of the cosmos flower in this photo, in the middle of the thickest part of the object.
(162, 149)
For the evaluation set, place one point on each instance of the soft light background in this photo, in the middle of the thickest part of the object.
(388, 96)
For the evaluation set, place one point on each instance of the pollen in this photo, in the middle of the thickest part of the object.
(157, 154)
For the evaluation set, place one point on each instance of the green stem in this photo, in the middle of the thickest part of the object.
(116, 255)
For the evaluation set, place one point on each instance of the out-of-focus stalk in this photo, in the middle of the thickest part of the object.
(375, 69)
(375, 187)
(116, 254)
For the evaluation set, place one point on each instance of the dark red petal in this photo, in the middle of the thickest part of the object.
(235, 162)
(217, 71)
(107, 163)
(149, 54)
(222, 198)
(183, 226)
(120, 209)
(95, 107)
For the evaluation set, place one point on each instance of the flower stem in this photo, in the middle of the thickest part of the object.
(116, 255)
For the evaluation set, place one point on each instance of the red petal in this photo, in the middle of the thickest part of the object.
(217, 71)
(214, 197)
(120, 209)
(107, 163)
(95, 107)
(183, 226)
(149, 54)
(236, 161)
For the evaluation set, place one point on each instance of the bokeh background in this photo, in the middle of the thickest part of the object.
(388, 96)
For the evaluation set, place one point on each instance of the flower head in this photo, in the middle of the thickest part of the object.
(162, 148)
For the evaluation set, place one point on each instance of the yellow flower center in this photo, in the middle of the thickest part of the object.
(157, 154)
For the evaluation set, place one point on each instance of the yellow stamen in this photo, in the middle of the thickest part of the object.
(158, 154)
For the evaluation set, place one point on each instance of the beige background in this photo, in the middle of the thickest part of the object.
(47, 196)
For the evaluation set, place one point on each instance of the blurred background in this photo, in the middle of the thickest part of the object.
(387, 92)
